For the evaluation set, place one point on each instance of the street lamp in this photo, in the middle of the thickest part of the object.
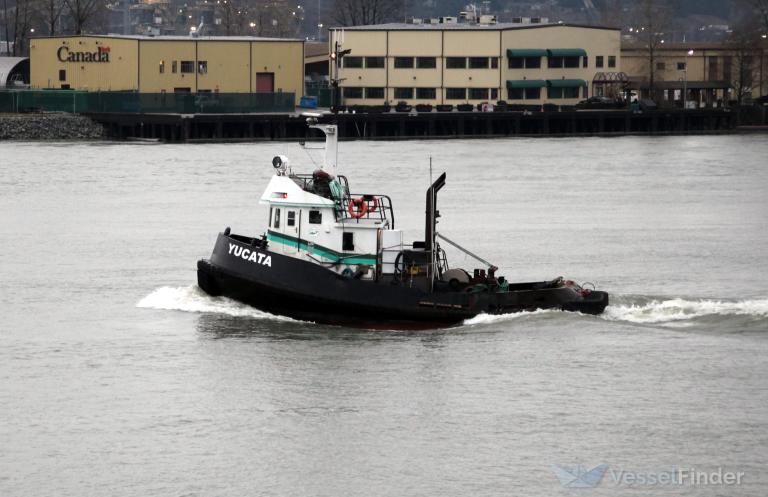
(685, 78)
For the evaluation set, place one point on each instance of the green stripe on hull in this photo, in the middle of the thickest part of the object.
(324, 252)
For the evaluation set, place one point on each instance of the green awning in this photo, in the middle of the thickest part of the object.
(526, 83)
(565, 83)
(526, 52)
(566, 52)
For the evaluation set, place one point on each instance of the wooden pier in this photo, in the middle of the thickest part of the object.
(415, 125)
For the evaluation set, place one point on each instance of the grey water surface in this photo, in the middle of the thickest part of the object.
(118, 377)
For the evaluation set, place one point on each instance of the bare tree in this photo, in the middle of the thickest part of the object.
(50, 11)
(760, 8)
(744, 41)
(82, 12)
(655, 17)
(231, 13)
(365, 12)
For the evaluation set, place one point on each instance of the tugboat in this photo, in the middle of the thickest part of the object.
(334, 257)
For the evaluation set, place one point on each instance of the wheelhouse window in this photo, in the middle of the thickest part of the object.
(403, 62)
(353, 92)
(426, 93)
(187, 67)
(315, 217)
(456, 63)
(276, 224)
(403, 93)
(353, 62)
(478, 62)
(456, 93)
(374, 93)
(291, 221)
(374, 62)
(426, 62)
(348, 241)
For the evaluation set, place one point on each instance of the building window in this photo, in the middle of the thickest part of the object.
(202, 67)
(456, 63)
(347, 241)
(187, 66)
(374, 62)
(62, 74)
(532, 93)
(182, 89)
(403, 93)
(456, 93)
(173, 67)
(681, 66)
(571, 62)
(712, 68)
(291, 218)
(514, 93)
(585, 61)
(567, 92)
(478, 93)
(478, 62)
(599, 61)
(494, 63)
(162, 66)
(426, 63)
(660, 66)
(315, 217)
(426, 93)
(494, 93)
(524, 62)
(555, 62)
(374, 93)
(353, 92)
(353, 62)
(611, 61)
(276, 224)
(403, 62)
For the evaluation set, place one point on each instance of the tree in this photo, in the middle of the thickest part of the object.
(50, 11)
(655, 17)
(760, 8)
(744, 41)
(82, 12)
(365, 12)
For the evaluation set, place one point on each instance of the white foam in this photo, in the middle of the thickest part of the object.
(193, 299)
(496, 318)
(676, 310)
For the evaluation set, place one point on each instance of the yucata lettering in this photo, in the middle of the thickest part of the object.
(250, 255)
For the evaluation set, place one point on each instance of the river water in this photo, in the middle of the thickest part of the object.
(118, 377)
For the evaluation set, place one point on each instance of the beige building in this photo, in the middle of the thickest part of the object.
(168, 64)
(708, 72)
(455, 63)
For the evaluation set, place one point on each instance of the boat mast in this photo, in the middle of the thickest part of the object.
(330, 131)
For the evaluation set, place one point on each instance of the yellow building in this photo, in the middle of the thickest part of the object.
(453, 63)
(168, 64)
(710, 73)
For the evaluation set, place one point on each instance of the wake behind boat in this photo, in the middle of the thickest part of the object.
(335, 257)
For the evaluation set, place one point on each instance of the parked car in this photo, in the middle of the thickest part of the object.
(599, 103)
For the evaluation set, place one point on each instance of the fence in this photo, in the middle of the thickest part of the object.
(144, 103)
(323, 93)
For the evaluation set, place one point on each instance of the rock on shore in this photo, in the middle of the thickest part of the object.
(49, 127)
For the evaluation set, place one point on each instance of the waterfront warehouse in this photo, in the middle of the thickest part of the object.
(165, 64)
(447, 62)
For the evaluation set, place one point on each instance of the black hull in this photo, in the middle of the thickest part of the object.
(303, 290)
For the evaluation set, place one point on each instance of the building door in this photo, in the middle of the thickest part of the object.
(265, 82)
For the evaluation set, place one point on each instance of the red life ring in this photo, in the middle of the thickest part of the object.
(357, 208)
(375, 205)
